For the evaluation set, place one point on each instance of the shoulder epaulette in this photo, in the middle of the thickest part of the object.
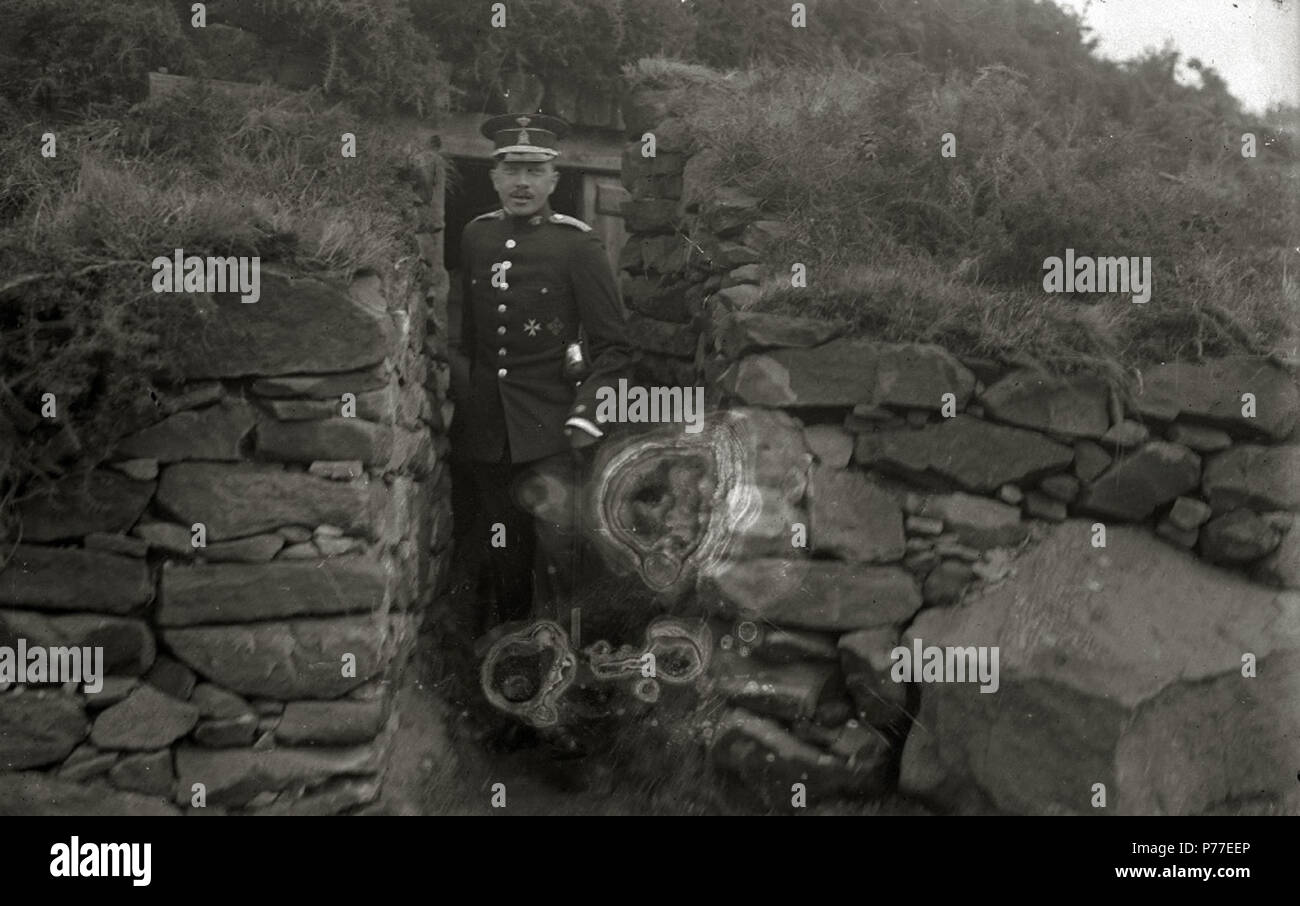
(570, 221)
(491, 215)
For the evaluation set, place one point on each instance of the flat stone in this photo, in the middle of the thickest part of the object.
(337, 470)
(1189, 514)
(227, 732)
(1010, 494)
(337, 547)
(738, 332)
(762, 233)
(172, 677)
(845, 372)
(742, 741)
(139, 469)
(785, 691)
(1126, 435)
(238, 593)
(817, 594)
(1136, 484)
(975, 455)
(782, 646)
(167, 537)
(128, 644)
(116, 544)
(1090, 460)
(1112, 670)
(305, 551)
(339, 438)
(78, 505)
(1258, 478)
(1282, 567)
(216, 432)
(146, 719)
(1182, 537)
(831, 444)
(215, 702)
(737, 298)
(145, 772)
(32, 793)
(1040, 506)
(921, 562)
(338, 723)
(651, 215)
(851, 518)
(865, 661)
(234, 501)
(294, 534)
(192, 396)
(253, 549)
(286, 660)
(1211, 394)
(976, 521)
(115, 689)
(729, 208)
(86, 762)
(1237, 537)
(235, 776)
(1071, 406)
(663, 338)
(1199, 438)
(746, 273)
(322, 386)
(38, 727)
(48, 578)
(218, 336)
(923, 525)
(1060, 487)
(946, 582)
(995, 566)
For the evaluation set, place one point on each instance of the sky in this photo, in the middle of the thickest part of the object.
(1254, 44)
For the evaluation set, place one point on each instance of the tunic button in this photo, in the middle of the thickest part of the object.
(501, 372)
(543, 289)
(501, 351)
(501, 329)
(510, 243)
(501, 308)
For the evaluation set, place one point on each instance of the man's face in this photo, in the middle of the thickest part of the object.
(523, 187)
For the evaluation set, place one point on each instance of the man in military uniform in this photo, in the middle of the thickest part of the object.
(531, 280)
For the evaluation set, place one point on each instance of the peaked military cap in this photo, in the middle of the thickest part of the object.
(524, 136)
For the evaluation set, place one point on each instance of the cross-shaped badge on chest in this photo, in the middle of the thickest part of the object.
(556, 326)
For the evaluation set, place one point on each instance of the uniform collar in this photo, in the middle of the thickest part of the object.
(532, 219)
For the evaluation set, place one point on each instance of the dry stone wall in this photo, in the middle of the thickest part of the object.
(1133, 553)
(252, 558)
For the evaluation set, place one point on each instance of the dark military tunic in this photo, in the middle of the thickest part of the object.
(528, 283)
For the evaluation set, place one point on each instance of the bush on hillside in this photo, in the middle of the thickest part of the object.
(198, 171)
(958, 243)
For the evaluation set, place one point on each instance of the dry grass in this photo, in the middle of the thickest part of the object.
(903, 244)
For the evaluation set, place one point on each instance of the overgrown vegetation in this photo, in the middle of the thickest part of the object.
(906, 244)
(200, 171)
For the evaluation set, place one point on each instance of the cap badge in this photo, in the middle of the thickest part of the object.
(522, 120)
(523, 137)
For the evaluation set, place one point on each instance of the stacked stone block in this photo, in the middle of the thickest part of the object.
(252, 555)
(925, 481)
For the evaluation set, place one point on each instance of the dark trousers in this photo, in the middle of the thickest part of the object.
(528, 541)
